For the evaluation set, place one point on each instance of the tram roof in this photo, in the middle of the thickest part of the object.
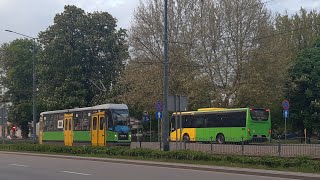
(97, 107)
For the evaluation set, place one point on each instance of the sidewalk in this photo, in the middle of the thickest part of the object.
(245, 171)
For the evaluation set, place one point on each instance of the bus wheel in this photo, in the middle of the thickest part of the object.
(186, 138)
(220, 139)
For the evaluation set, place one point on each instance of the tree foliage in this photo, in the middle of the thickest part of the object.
(222, 53)
(210, 45)
(304, 92)
(16, 60)
(83, 55)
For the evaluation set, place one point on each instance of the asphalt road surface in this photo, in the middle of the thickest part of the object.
(23, 167)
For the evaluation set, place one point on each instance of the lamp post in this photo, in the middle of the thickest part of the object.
(34, 111)
(165, 130)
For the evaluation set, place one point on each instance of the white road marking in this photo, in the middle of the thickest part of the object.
(70, 172)
(19, 165)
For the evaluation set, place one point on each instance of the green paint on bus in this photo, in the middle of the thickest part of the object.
(224, 125)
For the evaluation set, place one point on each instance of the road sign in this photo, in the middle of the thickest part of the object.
(146, 118)
(174, 100)
(159, 115)
(285, 105)
(285, 114)
(158, 106)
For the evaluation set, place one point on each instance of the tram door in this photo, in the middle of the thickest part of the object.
(68, 129)
(40, 129)
(98, 129)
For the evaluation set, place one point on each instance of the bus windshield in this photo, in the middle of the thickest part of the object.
(259, 114)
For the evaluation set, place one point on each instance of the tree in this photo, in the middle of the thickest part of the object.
(16, 62)
(279, 48)
(82, 58)
(143, 76)
(304, 92)
(210, 43)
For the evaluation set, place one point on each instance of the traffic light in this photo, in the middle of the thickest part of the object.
(14, 128)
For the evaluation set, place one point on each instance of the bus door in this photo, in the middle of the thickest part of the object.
(98, 129)
(68, 129)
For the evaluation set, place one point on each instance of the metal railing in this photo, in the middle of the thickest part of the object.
(275, 147)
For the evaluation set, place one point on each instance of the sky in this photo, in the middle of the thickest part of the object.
(29, 17)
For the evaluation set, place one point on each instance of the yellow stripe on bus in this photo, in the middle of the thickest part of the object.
(191, 132)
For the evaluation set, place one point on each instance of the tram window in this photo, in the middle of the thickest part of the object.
(94, 125)
(102, 123)
(77, 125)
(65, 124)
(85, 121)
(109, 122)
(46, 123)
(55, 122)
(49, 123)
(70, 124)
(61, 116)
(60, 124)
(50, 126)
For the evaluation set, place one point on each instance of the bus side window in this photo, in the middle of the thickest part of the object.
(198, 122)
(212, 120)
(173, 123)
(205, 122)
(188, 122)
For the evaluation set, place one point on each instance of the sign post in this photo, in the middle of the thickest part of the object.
(150, 130)
(147, 118)
(158, 107)
(285, 105)
(158, 117)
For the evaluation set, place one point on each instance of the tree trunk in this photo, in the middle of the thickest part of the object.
(24, 130)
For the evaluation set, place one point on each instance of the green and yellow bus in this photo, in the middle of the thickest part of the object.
(99, 125)
(222, 125)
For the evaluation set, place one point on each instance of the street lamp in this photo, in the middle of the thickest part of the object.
(165, 131)
(33, 84)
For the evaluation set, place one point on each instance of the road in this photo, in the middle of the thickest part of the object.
(20, 167)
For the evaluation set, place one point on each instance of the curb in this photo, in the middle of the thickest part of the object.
(244, 171)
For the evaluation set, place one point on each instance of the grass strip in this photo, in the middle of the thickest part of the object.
(298, 164)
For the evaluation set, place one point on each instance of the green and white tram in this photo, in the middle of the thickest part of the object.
(99, 125)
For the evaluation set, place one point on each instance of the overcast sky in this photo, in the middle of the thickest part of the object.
(32, 16)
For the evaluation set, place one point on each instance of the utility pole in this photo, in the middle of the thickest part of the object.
(165, 130)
